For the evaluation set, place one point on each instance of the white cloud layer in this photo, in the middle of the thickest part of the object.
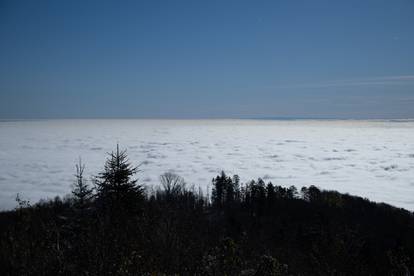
(373, 159)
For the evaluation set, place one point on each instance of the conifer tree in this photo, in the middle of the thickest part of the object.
(218, 195)
(115, 187)
(81, 191)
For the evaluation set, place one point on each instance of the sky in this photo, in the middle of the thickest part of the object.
(207, 59)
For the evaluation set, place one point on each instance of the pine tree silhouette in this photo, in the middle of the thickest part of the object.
(115, 187)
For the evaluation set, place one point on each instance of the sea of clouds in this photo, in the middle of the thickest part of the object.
(373, 159)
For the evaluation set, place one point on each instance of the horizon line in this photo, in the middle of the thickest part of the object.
(269, 118)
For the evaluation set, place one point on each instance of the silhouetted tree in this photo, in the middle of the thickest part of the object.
(292, 192)
(116, 190)
(173, 185)
(81, 192)
(312, 194)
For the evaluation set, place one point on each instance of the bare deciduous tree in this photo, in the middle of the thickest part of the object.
(172, 184)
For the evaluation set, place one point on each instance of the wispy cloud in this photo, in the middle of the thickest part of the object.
(372, 81)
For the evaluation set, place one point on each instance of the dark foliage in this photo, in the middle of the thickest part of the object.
(116, 190)
(252, 229)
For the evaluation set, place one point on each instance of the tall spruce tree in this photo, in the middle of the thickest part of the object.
(116, 189)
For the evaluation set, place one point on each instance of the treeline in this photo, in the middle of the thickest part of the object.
(113, 226)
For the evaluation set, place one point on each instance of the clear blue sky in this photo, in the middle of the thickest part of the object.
(207, 59)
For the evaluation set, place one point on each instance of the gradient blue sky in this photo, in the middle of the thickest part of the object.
(207, 59)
